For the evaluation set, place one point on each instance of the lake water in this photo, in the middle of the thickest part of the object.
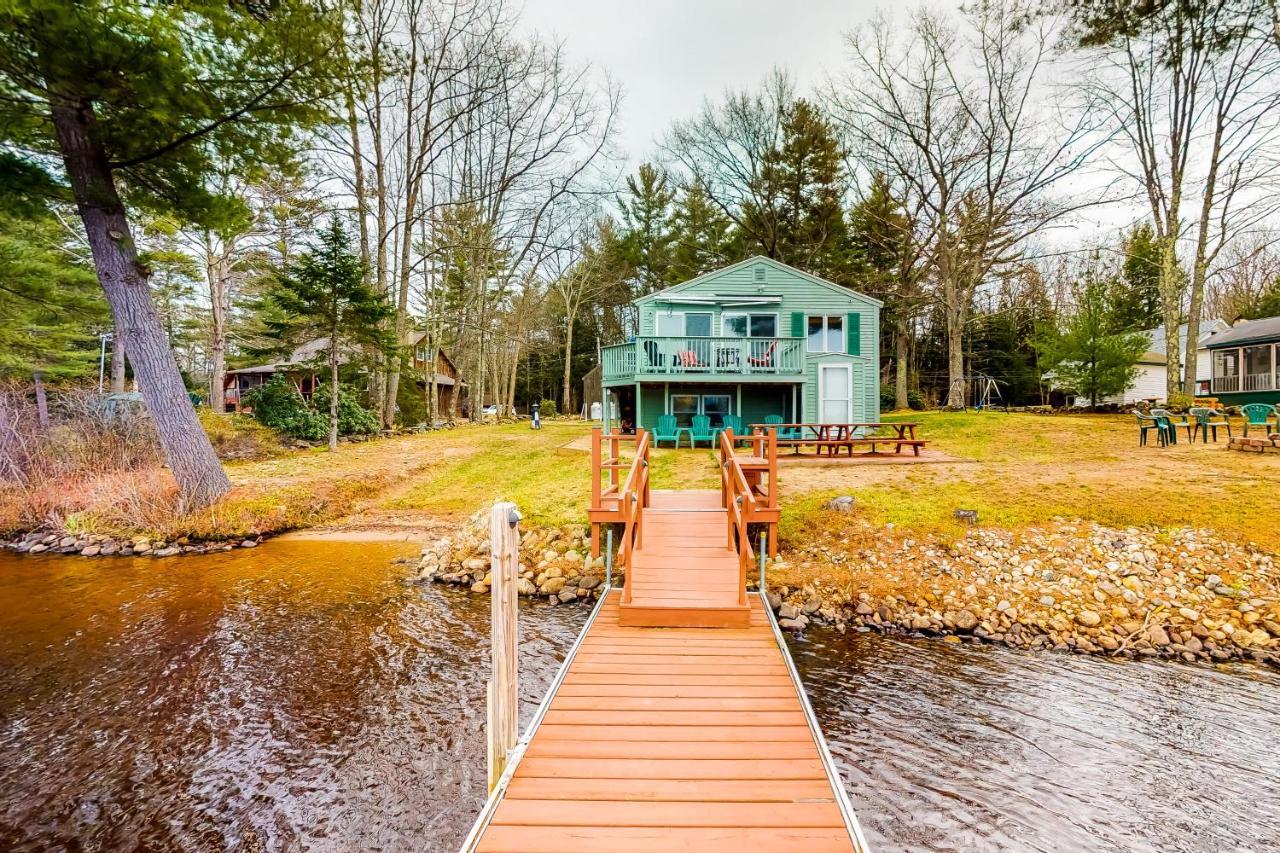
(304, 695)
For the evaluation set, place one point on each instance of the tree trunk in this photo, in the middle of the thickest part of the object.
(333, 391)
(195, 466)
(901, 344)
(957, 389)
(42, 403)
(215, 272)
(568, 364)
(117, 362)
(1171, 305)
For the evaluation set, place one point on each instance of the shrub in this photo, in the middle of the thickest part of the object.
(353, 418)
(547, 408)
(239, 437)
(887, 397)
(915, 400)
(1180, 402)
(279, 405)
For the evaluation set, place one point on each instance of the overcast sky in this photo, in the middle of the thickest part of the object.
(669, 55)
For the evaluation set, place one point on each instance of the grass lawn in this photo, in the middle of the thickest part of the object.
(1015, 469)
(1023, 469)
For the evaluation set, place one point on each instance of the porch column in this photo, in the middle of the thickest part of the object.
(639, 424)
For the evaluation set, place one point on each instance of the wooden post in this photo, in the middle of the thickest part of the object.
(504, 695)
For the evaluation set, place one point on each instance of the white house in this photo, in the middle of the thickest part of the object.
(1151, 382)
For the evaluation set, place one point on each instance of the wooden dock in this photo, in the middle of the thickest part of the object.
(678, 721)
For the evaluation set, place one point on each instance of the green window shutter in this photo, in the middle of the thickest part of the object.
(797, 324)
(853, 326)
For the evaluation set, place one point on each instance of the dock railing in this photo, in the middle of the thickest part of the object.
(740, 502)
(633, 497)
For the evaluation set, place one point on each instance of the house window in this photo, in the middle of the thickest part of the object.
(749, 325)
(1226, 371)
(826, 333)
(1257, 368)
(693, 324)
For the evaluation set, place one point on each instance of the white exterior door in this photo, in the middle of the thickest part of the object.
(835, 393)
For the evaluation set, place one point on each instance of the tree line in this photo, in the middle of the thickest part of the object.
(211, 184)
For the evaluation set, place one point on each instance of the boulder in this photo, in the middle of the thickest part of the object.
(551, 586)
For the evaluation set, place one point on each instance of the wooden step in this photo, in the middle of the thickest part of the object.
(683, 614)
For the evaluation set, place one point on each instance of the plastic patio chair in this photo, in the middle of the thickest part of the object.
(1257, 415)
(1207, 419)
(702, 431)
(1172, 422)
(667, 430)
(783, 432)
(734, 423)
(1150, 422)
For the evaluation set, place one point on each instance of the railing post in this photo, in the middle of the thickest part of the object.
(763, 560)
(504, 693)
(608, 557)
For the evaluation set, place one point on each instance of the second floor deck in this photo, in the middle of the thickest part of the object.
(715, 358)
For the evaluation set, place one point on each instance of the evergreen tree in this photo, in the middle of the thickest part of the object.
(51, 309)
(325, 293)
(1085, 354)
(646, 244)
(799, 219)
(136, 102)
(701, 240)
(1136, 297)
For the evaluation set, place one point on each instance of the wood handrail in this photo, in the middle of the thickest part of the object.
(633, 497)
(740, 504)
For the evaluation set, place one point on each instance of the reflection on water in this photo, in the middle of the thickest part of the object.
(300, 695)
(984, 748)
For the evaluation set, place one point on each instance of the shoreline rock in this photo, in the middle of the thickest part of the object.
(100, 545)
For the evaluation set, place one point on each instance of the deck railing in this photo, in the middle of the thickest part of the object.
(1258, 381)
(633, 497)
(703, 356)
(740, 503)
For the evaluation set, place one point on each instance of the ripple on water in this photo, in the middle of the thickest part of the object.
(299, 695)
(983, 748)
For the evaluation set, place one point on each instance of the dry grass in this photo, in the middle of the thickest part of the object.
(1029, 469)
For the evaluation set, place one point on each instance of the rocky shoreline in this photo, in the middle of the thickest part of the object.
(98, 545)
(1074, 587)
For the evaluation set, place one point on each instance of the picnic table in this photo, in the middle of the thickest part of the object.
(835, 436)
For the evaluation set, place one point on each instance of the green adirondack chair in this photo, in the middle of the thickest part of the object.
(1207, 419)
(1147, 423)
(666, 430)
(1257, 415)
(702, 431)
(734, 423)
(789, 432)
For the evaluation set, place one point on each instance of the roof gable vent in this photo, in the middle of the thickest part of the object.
(759, 273)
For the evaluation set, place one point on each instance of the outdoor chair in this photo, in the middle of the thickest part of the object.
(1147, 423)
(689, 360)
(1172, 422)
(1257, 415)
(732, 422)
(654, 356)
(667, 430)
(786, 433)
(764, 360)
(702, 431)
(1210, 419)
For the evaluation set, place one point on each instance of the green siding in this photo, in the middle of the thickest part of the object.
(800, 296)
(652, 403)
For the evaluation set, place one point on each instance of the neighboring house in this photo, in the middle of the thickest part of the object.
(754, 339)
(1151, 382)
(304, 367)
(1246, 362)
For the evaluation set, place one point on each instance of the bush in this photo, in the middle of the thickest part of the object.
(887, 398)
(547, 408)
(353, 418)
(278, 404)
(915, 400)
(239, 437)
(1180, 402)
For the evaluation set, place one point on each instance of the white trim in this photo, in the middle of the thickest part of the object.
(761, 259)
(848, 368)
(777, 321)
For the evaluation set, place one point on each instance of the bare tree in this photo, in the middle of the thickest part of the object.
(961, 125)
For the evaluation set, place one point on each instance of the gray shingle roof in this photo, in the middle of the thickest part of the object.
(1265, 330)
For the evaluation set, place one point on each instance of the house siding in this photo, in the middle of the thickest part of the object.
(798, 294)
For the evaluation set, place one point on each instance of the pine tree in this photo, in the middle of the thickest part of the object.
(1085, 354)
(646, 243)
(1136, 301)
(701, 240)
(136, 102)
(325, 293)
(799, 219)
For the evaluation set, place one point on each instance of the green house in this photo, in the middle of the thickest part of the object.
(1246, 362)
(754, 339)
